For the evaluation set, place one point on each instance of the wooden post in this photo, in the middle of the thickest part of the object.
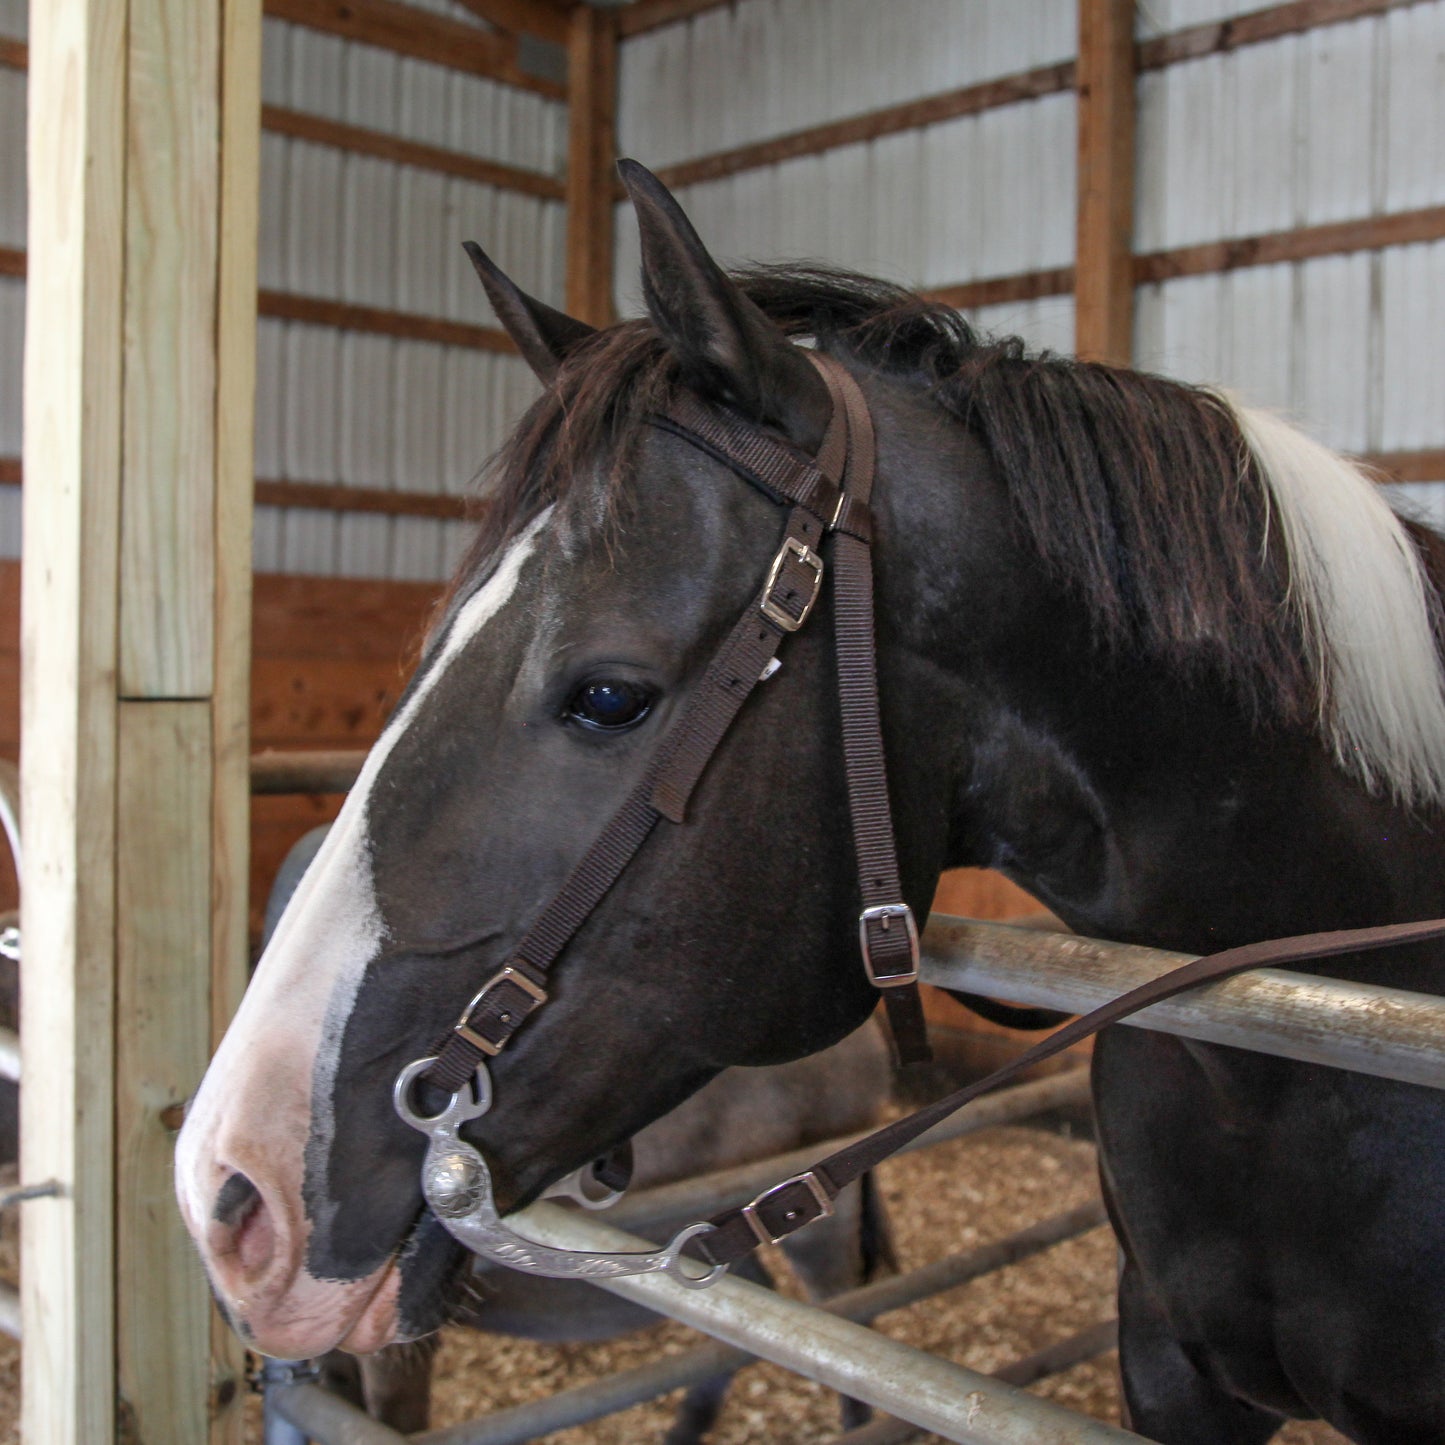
(1104, 283)
(143, 161)
(591, 155)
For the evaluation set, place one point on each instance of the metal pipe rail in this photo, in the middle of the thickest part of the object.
(1389, 1032)
(331, 1420)
(863, 1305)
(937, 1395)
(297, 771)
(708, 1193)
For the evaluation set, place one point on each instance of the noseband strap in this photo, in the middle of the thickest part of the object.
(829, 493)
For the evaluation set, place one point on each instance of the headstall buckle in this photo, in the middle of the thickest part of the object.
(809, 558)
(507, 975)
(810, 1182)
(884, 914)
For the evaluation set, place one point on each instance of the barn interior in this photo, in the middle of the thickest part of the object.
(1243, 195)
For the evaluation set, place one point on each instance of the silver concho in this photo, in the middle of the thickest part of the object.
(458, 1187)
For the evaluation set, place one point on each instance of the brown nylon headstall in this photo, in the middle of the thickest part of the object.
(829, 494)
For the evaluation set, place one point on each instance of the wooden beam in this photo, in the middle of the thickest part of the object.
(1425, 465)
(12, 262)
(321, 770)
(591, 156)
(230, 719)
(1272, 22)
(338, 498)
(421, 34)
(889, 120)
(1337, 238)
(1103, 252)
(325, 496)
(301, 125)
(645, 15)
(163, 1005)
(14, 54)
(167, 543)
(996, 290)
(542, 18)
(318, 311)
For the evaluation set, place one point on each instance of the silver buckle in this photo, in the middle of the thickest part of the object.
(885, 912)
(755, 1223)
(809, 558)
(502, 975)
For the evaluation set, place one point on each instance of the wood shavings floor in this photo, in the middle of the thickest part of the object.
(958, 1195)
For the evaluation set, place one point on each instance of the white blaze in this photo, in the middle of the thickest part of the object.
(253, 1110)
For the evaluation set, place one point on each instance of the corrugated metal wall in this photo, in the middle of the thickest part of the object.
(347, 407)
(1342, 123)
(378, 411)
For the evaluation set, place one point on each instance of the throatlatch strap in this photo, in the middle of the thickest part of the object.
(887, 929)
(788, 1206)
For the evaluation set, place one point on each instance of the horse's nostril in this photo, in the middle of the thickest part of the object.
(236, 1199)
(245, 1231)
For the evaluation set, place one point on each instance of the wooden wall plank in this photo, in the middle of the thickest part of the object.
(1255, 27)
(1103, 276)
(888, 120)
(320, 130)
(591, 155)
(344, 316)
(996, 290)
(335, 497)
(336, 617)
(422, 34)
(230, 720)
(546, 19)
(645, 15)
(163, 1019)
(72, 425)
(14, 54)
(167, 544)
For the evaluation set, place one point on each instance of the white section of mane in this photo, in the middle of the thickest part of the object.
(1365, 608)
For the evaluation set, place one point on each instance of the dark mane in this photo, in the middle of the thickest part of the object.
(1138, 492)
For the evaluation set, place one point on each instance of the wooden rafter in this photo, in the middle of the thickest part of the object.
(14, 54)
(409, 30)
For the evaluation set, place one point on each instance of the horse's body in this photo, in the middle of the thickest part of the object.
(1162, 661)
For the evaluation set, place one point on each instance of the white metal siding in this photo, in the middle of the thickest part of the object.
(374, 411)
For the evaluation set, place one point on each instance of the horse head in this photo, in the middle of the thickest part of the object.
(613, 558)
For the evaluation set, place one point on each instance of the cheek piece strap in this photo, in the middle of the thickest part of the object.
(827, 497)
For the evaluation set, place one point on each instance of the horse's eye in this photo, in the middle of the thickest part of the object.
(610, 705)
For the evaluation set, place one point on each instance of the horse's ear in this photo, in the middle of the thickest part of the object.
(727, 347)
(543, 336)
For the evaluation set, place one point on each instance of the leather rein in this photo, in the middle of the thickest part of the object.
(826, 496)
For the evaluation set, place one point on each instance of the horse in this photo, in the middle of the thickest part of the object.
(1165, 661)
(741, 1116)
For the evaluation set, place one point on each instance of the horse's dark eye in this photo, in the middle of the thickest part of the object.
(610, 705)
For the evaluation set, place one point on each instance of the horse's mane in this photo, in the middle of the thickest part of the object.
(1184, 524)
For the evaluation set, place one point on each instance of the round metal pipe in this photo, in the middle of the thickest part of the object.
(709, 1193)
(1371, 1030)
(323, 1417)
(631, 1387)
(959, 1404)
(318, 771)
(1051, 1360)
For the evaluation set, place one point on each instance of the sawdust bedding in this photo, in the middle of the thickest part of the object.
(951, 1198)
